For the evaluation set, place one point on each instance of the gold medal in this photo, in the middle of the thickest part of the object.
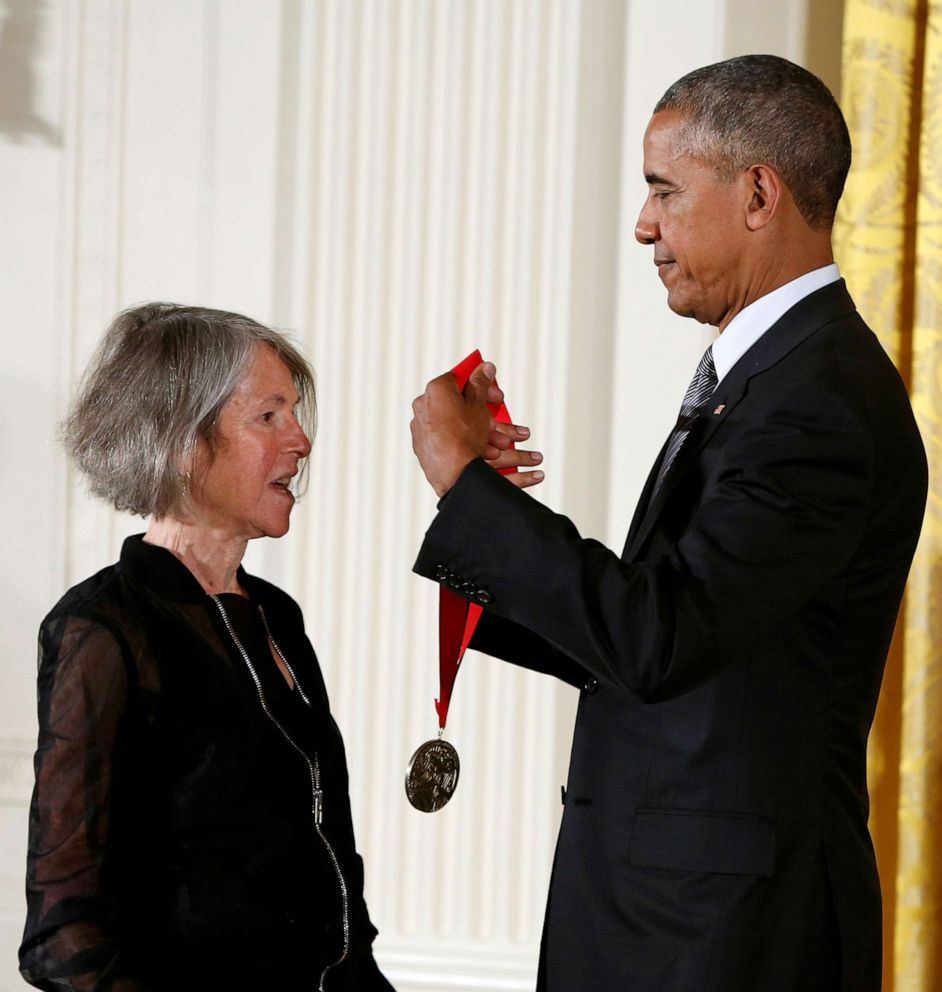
(432, 775)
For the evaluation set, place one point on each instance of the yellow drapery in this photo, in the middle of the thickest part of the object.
(888, 242)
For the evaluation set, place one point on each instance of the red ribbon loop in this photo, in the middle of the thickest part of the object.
(457, 617)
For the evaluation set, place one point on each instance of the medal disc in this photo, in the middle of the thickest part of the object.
(432, 775)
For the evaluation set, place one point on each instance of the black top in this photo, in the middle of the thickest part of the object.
(172, 841)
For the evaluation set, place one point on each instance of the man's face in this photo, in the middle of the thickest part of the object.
(696, 224)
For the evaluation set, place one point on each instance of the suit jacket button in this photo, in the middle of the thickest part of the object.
(591, 685)
(482, 597)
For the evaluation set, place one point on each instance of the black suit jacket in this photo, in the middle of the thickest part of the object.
(714, 836)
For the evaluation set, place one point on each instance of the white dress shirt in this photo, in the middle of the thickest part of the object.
(742, 332)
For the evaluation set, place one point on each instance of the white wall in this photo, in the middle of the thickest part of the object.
(397, 181)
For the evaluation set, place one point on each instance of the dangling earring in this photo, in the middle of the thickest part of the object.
(185, 484)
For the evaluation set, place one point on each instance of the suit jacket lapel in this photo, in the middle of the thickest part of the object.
(644, 501)
(788, 332)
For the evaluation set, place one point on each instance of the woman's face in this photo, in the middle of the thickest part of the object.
(240, 488)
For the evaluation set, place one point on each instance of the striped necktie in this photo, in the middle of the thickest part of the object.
(701, 385)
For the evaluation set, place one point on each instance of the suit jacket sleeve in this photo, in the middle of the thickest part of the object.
(785, 511)
(512, 642)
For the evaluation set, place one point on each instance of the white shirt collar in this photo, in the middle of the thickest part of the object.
(742, 332)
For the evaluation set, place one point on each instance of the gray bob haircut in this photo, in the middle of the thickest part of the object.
(764, 109)
(154, 390)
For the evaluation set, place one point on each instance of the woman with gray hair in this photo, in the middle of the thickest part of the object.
(190, 826)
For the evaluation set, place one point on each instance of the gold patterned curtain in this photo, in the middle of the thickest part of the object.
(888, 242)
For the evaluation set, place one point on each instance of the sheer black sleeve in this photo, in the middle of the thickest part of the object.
(83, 701)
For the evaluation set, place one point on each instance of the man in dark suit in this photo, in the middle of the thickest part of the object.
(714, 836)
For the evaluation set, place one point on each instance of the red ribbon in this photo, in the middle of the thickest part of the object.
(457, 616)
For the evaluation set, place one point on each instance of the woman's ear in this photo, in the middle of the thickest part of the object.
(191, 468)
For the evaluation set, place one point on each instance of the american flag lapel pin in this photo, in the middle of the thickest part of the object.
(719, 409)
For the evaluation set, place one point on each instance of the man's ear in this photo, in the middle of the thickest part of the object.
(767, 191)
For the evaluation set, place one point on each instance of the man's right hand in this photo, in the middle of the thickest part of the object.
(450, 429)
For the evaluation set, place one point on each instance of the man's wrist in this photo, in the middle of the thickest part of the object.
(445, 490)
(460, 464)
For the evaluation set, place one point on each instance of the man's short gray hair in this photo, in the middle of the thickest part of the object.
(764, 109)
(154, 390)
